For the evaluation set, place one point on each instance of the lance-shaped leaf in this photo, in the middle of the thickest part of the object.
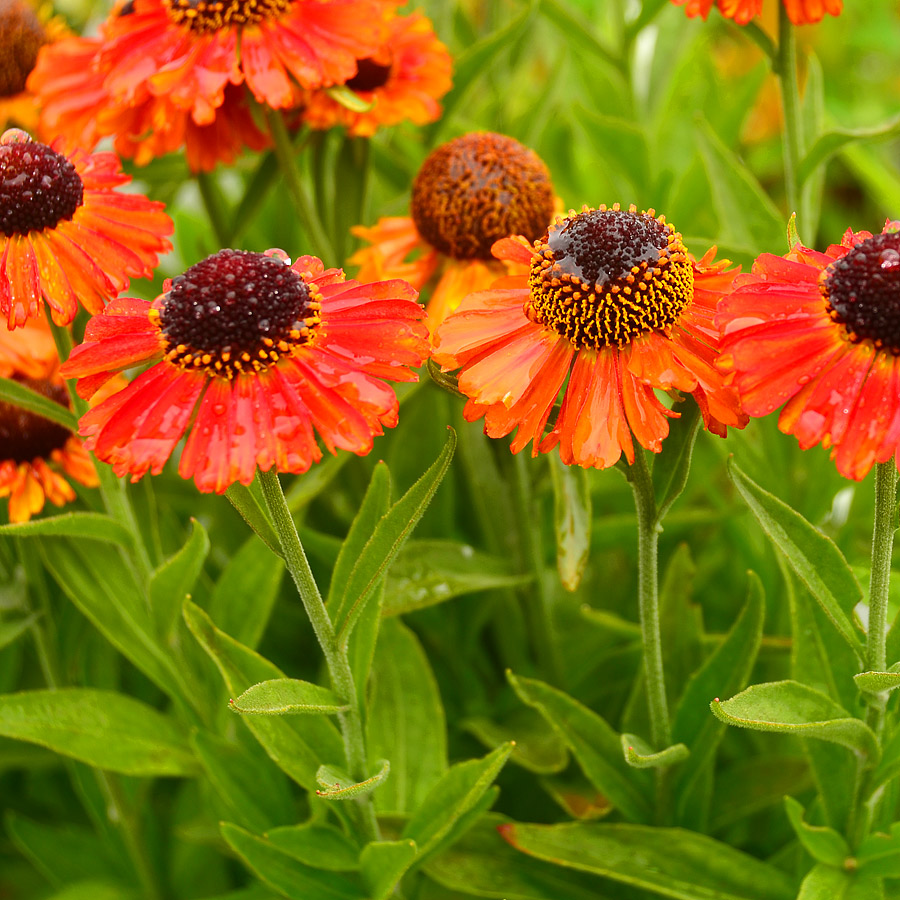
(102, 728)
(96, 526)
(252, 511)
(825, 845)
(337, 785)
(572, 520)
(815, 558)
(672, 465)
(535, 746)
(18, 394)
(794, 708)
(669, 861)
(457, 793)
(828, 883)
(640, 755)
(596, 746)
(879, 854)
(389, 536)
(174, 579)
(320, 846)
(877, 682)
(383, 863)
(285, 697)
(286, 875)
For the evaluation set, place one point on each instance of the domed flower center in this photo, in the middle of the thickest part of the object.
(21, 36)
(370, 74)
(205, 16)
(603, 277)
(477, 189)
(24, 436)
(236, 312)
(862, 291)
(38, 186)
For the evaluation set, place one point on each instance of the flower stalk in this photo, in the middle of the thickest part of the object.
(785, 67)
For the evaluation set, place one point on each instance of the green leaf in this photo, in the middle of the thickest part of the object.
(535, 747)
(298, 749)
(595, 745)
(94, 890)
(455, 794)
(827, 883)
(252, 791)
(383, 863)
(25, 398)
(831, 142)
(794, 708)
(815, 558)
(879, 177)
(287, 696)
(10, 630)
(825, 845)
(245, 593)
(668, 861)
(106, 590)
(286, 875)
(173, 580)
(405, 719)
(640, 755)
(877, 682)
(337, 785)
(387, 539)
(673, 464)
(747, 216)
(95, 526)
(320, 846)
(879, 854)
(253, 513)
(724, 672)
(428, 572)
(572, 518)
(102, 728)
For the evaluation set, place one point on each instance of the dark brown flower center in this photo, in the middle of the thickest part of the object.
(204, 16)
(25, 436)
(21, 36)
(477, 189)
(369, 75)
(38, 187)
(236, 312)
(603, 277)
(862, 291)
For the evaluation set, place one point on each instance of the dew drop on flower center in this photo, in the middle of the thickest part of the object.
(862, 291)
(236, 311)
(603, 277)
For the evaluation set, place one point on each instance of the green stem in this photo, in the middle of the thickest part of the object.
(648, 600)
(215, 207)
(785, 67)
(112, 488)
(336, 657)
(287, 160)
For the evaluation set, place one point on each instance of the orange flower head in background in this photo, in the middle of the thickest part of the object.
(609, 308)
(188, 51)
(800, 12)
(822, 332)
(469, 193)
(402, 82)
(76, 109)
(254, 358)
(24, 29)
(33, 449)
(66, 234)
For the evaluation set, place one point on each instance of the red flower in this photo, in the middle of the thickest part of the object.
(66, 234)
(822, 332)
(255, 355)
(609, 308)
(470, 192)
(402, 81)
(800, 12)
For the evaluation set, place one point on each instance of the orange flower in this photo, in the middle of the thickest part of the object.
(255, 355)
(800, 12)
(67, 235)
(25, 27)
(610, 308)
(402, 82)
(189, 50)
(33, 448)
(822, 332)
(469, 193)
(76, 109)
